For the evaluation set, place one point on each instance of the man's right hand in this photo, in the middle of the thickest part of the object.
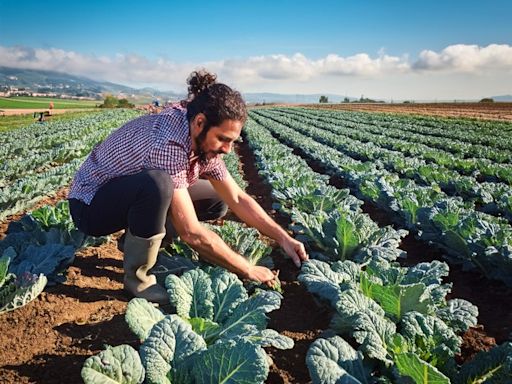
(209, 245)
(261, 274)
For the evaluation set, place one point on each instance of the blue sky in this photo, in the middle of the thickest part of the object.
(280, 46)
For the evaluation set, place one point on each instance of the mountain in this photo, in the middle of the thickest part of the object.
(31, 80)
(502, 98)
(291, 98)
(62, 83)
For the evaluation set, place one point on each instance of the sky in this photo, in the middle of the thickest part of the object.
(390, 50)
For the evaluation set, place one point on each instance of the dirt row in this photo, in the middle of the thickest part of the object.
(489, 111)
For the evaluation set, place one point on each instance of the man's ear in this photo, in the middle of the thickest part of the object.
(199, 122)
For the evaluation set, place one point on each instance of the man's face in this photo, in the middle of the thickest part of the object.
(218, 139)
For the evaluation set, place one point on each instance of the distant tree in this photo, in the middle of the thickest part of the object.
(363, 99)
(487, 100)
(109, 102)
(346, 100)
(113, 102)
(323, 99)
(124, 103)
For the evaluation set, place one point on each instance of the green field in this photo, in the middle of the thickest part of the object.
(43, 103)
(9, 123)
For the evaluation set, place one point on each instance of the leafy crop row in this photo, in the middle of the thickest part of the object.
(399, 317)
(457, 131)
(493, 197)
(475, 239)
(410, 142)
(39, 159)
(36, 251)
(217, 335)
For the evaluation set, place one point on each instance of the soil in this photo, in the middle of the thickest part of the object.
(300, 316)
(48, 340)
(490, 111)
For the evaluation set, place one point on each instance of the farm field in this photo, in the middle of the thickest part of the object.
(408, 220)
(20, 102)
(488, 111)
(12, 122)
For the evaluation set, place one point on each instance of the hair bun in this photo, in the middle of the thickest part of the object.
(198, 81)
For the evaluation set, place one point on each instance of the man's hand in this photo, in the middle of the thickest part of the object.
(247, 209)
(260, 274)
(295, 249)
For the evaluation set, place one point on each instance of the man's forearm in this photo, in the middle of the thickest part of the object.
(214, 250)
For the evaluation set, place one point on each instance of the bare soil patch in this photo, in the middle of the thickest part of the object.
(488, 111)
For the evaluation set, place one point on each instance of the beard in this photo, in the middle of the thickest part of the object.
(199, 140)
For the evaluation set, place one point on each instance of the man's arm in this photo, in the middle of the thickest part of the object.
(209, 245)
(248, 210)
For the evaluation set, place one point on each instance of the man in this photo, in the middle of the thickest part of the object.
(145, 177)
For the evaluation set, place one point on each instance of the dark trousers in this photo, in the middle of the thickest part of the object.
(141, 203)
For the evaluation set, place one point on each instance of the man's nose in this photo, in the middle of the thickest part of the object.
(226, 148)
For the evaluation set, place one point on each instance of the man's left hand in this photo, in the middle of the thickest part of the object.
(295, 249)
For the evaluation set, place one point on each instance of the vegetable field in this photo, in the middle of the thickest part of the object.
(407, 221)
(43, 103)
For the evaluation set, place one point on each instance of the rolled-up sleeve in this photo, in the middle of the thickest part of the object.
(216, 169)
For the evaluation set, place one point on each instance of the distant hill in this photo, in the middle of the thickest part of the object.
(62, 83)
(502, 98)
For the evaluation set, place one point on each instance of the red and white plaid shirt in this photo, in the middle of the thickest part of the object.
(159, 141)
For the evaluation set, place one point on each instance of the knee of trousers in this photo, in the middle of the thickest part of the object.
(159, 185)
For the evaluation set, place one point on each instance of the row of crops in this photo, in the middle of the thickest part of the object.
(455, 224)
(423, 164)
(39, 159)
(390, 324)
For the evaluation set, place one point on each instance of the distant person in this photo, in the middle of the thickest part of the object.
(41, 116)
(161, 174)
(50, 108)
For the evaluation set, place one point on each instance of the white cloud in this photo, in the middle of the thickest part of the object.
(361, 65)
(137, 69)
(272, 67)
(356, 74)
(467, 58)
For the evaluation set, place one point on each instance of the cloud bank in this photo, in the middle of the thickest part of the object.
(467, 59)
(255, 73)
